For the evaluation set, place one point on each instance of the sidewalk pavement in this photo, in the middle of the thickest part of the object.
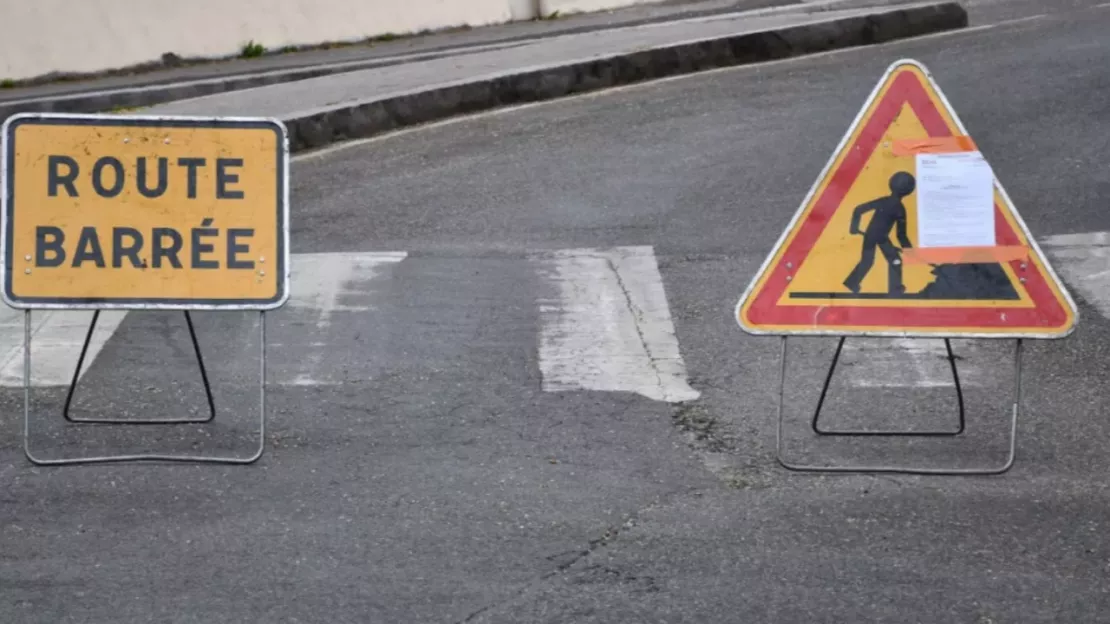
(387, 48)
(367, 95)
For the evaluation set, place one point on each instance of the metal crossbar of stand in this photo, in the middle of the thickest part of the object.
(184, 458)
(888, 433)
(895, 469)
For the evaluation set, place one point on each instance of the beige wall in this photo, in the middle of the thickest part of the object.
(547, 7)
(41, 36)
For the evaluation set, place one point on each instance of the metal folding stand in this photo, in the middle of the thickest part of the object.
(144, 421)
(1016, 409)
(183, 458)
(887, 433)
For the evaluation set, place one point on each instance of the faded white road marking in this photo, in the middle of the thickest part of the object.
(1083, 261)
(607, 326)
(322, 285)
(318, 281)
(901, 363)
(56, 341)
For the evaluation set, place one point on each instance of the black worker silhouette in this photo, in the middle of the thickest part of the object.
(889, 213)
(959, 281)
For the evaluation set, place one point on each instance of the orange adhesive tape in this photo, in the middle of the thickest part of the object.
(933, 145)
(963, 255)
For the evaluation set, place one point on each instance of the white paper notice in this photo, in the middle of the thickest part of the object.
(955, 200)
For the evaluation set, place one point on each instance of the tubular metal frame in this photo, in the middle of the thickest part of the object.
(895, 469)
(143, 457)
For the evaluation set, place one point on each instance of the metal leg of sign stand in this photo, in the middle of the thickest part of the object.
(141, 457)
(1016, 410)
(146, 421)
(886, 433)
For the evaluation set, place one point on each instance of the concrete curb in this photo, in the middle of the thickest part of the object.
(318, 128)
(315, 129)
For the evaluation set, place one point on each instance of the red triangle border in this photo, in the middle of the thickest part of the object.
(1047, 312)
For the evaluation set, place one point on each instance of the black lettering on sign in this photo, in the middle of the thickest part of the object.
(131, 252)
(151, 177)
(223, 178)
(159, 250)
(98, 177)
(53, 246)
(191, 182)
(128, 247)
(233, 248)
(56, 178)
(163, 178)
(88, 248)
(199, 247)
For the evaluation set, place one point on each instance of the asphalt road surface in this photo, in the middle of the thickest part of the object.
(510, 388)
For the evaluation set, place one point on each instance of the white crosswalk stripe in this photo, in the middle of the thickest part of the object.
(322, 286)
(1083, 262)
(56, 339)
(609, 327)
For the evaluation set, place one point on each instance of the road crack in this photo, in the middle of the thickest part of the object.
(638, 317)
(566, 560)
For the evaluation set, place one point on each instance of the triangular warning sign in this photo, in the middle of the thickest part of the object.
(907, 233)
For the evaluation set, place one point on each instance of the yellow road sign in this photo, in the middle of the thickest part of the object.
(107, 211)
(860, 257)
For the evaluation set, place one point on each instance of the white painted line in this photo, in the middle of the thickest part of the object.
(56, 341)
(1082, 239)
(1083, 261)
(1018, 20)
(607, 326)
